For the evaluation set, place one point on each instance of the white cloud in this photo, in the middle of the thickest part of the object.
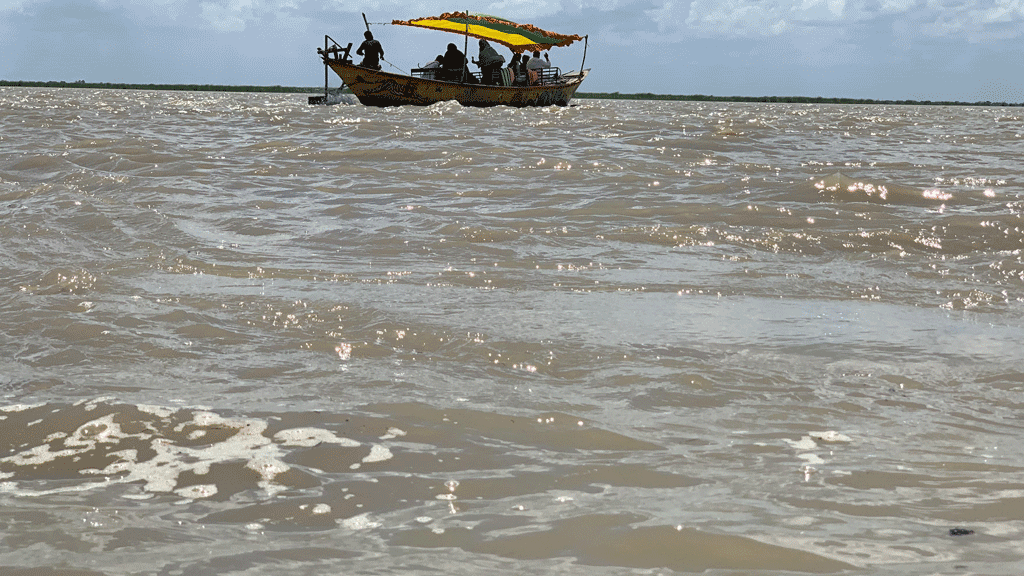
(896, 6)
(515, 9)
(218, 15)
(995, 19)
(818, 9)
(979, 21)
(737, 17)
(228, 16)
(974, 20)
(759, 18)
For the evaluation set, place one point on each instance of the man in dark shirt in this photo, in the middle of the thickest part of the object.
(371, 51)
(454, 66)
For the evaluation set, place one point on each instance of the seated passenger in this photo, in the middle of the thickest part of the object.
(514, 68)
(529, 77)
(432, 69)
(537, 64)
(454, 66)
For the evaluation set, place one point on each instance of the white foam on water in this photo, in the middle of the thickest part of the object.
(311, 437)
(805, 443)
(127, 459)
(94, 403)
(360, 522)
(830, 436)
(246, 442)
(102, 430)
(378, 453)
(208, 419)
(84, 439)
(393, 433)
(19, 407)
(160, 411)
(197, 491)
(160, 473)
(268, 468)
(810, 458)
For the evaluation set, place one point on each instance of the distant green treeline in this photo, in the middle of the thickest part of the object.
(184, 87)
(783, 99)
(601, 95)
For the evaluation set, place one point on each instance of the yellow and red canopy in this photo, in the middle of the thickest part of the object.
(517, 37)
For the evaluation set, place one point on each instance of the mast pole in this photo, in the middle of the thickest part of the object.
(325, 68)
(465, 65)
(586, 40)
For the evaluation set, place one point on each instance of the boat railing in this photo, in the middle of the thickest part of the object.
(428, 73)
(551, 75)
(336, 52)
(545, 76)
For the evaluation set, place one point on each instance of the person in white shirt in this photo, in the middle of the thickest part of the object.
(430, 68)
(536, 63)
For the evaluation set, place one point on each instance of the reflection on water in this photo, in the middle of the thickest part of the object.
(242, 334)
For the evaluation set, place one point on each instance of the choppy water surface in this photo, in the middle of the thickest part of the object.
(243, 335)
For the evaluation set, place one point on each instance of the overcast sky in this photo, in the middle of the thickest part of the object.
(880, 49)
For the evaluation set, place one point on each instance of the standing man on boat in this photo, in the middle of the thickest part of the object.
(371, 51)
(490, 62)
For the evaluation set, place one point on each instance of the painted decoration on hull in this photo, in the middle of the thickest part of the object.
(376, 88)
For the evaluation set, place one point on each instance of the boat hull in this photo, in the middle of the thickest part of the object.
(379, 88)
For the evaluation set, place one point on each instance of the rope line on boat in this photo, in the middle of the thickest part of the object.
(395, 67)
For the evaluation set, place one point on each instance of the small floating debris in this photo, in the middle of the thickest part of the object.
(960, 532)
(830, 436)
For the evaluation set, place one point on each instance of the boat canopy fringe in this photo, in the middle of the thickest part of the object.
(517, 37)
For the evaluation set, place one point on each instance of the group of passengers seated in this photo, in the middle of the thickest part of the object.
(528, 70)
(453, 66)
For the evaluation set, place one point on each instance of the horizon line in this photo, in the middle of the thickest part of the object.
(592, 95)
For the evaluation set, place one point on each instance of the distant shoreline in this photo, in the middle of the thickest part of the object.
(177, 87)
(597, 95)
(785, 99)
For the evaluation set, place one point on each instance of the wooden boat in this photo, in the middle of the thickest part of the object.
(379, 88)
